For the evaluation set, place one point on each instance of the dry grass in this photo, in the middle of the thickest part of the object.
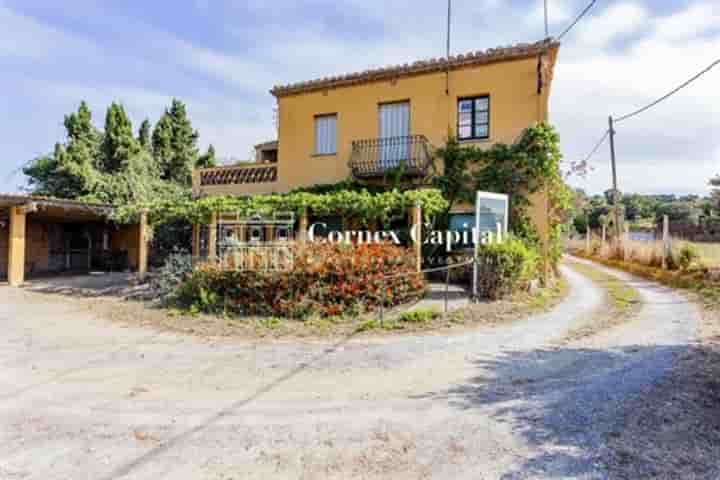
(137, 313)
(622, 302)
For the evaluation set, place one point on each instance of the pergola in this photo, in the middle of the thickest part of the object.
(17, 211)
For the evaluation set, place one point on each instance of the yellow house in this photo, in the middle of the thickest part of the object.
(362, 124)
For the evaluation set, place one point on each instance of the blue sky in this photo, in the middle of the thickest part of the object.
(222, 56)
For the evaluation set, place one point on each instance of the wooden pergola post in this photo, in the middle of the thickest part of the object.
(417, 225)
(195, 240)
(143, 246)
(16, 246)
(303, 227)
(212, 237)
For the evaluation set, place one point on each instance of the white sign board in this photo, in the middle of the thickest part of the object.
(491, 216)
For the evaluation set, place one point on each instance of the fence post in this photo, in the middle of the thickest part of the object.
(626, 241)
(588, 234)
(604, 239)
(447, 287)
(382, 302)
(665, 241)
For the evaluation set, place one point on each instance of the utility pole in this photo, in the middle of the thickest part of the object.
(447, 47)
(616, 193)
(547, 28)
(449, 17)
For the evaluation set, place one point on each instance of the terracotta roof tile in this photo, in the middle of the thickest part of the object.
(479, 57)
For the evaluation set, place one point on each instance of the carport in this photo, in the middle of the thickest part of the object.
(42, 236)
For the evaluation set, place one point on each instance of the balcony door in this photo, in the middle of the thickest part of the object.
(394, 122)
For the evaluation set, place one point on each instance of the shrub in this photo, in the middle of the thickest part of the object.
(505, 268)
(176, 269)
(687, 255)
(325, 279)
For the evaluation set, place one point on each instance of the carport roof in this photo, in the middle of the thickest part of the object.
(14, 199)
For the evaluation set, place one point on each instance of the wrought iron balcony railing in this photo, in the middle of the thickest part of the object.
(377, 157)
(236, 175)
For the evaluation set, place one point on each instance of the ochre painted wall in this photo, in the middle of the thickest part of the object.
(514, 105)
(127, 239)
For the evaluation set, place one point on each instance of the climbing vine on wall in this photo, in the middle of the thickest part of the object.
(526, 167)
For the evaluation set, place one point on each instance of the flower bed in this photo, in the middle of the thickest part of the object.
(326, 280)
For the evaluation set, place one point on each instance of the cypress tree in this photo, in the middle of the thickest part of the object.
(207, 160)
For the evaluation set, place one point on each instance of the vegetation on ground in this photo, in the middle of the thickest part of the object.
(324, 279)
(622, 301)
(506, 268)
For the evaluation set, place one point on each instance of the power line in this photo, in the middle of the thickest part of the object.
(670, 94)
(597, 146)
(579, 17)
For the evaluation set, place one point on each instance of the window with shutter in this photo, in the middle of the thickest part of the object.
(325, 134)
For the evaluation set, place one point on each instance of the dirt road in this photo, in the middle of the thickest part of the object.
(83, 398)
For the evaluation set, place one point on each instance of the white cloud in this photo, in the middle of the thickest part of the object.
(615, 21)
(559, 11)
(696, 20)
(26, 38)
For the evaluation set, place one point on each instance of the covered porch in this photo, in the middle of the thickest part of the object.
(46, 237)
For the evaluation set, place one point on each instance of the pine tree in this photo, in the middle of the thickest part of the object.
(175, 144)
(144, 135)
(207, 160)
(71, 170)
(118, 144)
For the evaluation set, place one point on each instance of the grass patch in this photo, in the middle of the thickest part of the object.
(699, 282)
(622, 301)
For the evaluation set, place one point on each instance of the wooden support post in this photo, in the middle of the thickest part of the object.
(142, 246)
(303, 226)
(195, 240)
(269, 233)
(417, 224)
(212, 237)
(604, 239)
(16, 246)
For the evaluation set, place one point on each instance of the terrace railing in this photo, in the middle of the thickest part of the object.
(238, 174)
(376, 157)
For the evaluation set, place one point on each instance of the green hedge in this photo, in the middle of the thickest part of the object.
(326, 280)
(505, 268)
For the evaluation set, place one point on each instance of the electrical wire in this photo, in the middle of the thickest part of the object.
(579, 17)
(670, 94)
(597, 146)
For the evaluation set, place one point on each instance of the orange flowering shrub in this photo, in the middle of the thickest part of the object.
(325, 279)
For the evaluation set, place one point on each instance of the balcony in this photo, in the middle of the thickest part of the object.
(376, 157)
(238, 175)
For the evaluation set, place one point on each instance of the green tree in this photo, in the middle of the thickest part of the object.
(144, 135)
(70, 171)
(118, 145)
(207, 160)
(174, 144)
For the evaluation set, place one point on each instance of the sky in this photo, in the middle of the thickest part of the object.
(222, 56)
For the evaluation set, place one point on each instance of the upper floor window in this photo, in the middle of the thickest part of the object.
(474, 118)
(325, 134)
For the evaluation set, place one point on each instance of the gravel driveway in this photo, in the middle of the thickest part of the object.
(83, 398)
